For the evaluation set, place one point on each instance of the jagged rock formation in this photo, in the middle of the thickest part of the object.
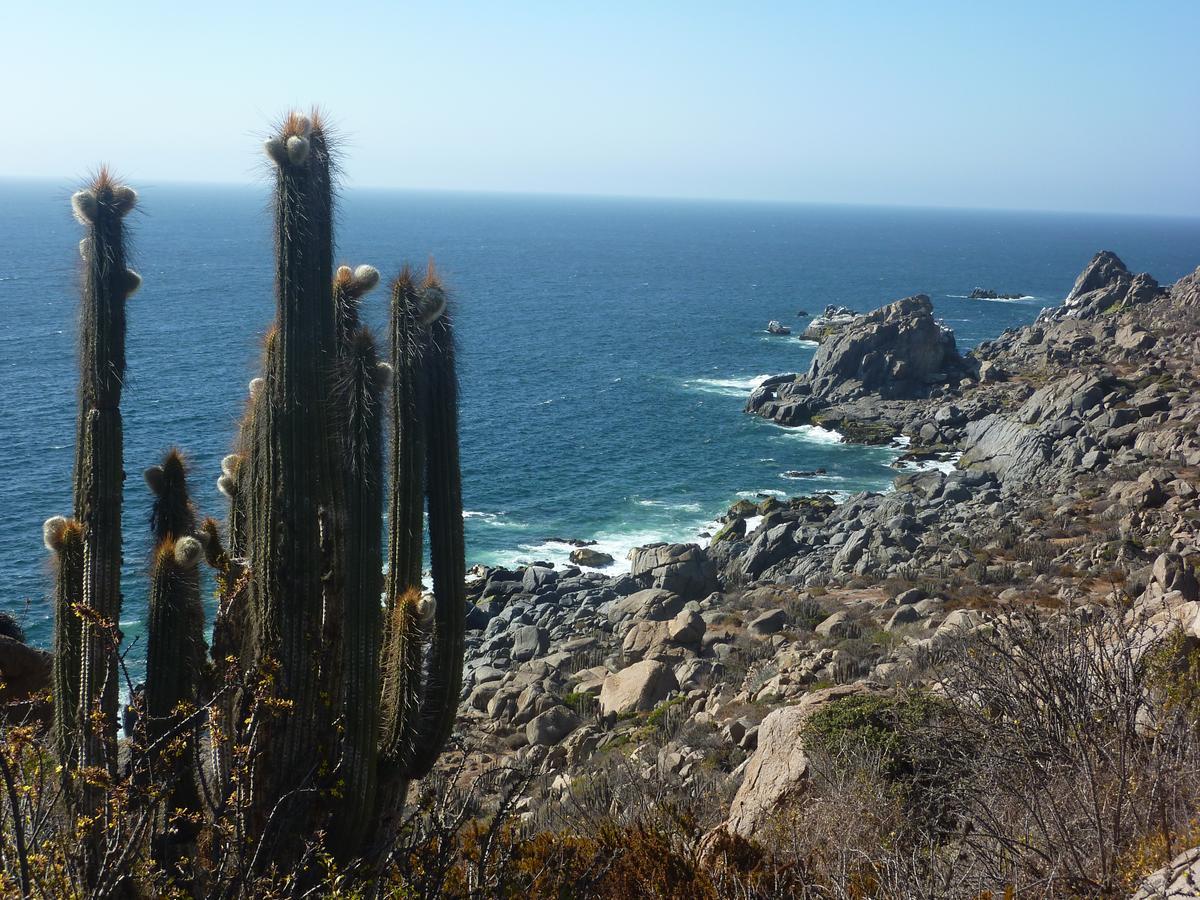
(896, 352)
(1106, 285)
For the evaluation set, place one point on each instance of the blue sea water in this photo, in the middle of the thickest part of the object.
(606, 346)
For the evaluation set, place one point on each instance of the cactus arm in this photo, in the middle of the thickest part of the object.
(404, 639)
(295, 486)
(443, 682)
(175, 658)
(406, 511)
(64, 538)
(358, 396)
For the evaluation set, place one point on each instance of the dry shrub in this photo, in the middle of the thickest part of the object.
(1062, 750)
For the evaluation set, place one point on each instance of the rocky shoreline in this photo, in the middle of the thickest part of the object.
(1077, 451)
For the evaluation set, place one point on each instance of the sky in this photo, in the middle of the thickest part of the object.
(1081, 106)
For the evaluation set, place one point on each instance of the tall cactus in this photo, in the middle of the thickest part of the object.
(444, 491)
(64, 538)
(107, 282)
(335, 684)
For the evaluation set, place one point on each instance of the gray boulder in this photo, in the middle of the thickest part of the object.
(652, 605)
(548, 728)
(770, 622)
(682, 569)
(592, 559)
(1107, 285)
(529, 641)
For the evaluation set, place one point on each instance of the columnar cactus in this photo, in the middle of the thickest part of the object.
(176, 654)
(332, 685)
(107, 282)
(64, 538)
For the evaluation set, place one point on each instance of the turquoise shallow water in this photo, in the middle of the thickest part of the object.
(607, 346)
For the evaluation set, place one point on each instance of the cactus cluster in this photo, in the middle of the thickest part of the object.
(328, 685)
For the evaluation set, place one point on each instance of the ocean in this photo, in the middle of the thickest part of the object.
(606, 346)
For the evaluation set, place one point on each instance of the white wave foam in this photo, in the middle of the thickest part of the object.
(496, 520)
(943, 462)
(664, 504)
(758, 495)
(726, 387)
(616, 543)
(814, 434)
(805, 342)
(1024, 298)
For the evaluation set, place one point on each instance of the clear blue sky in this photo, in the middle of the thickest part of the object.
(1037, 105)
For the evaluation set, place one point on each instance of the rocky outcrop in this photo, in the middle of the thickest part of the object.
(1082, 449)
(896, 352)
(985, 294)
(1037, 443)
(777, 327)
(1107, 286)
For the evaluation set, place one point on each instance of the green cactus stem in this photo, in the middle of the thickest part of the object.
(292, 473)
(358, 396)
(175, 659)
(406, 510)
(107, 283)
(443, 681)
(64, 538)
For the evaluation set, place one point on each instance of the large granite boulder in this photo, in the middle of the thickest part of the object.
(682, 569)
(592, 559)
(548, 728)
(650, 605)
(637, 688)
(1178, 880)
(777, 774)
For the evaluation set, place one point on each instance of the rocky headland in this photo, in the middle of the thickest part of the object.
(1077, 487)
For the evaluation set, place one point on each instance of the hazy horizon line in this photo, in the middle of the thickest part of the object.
(674, 198)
